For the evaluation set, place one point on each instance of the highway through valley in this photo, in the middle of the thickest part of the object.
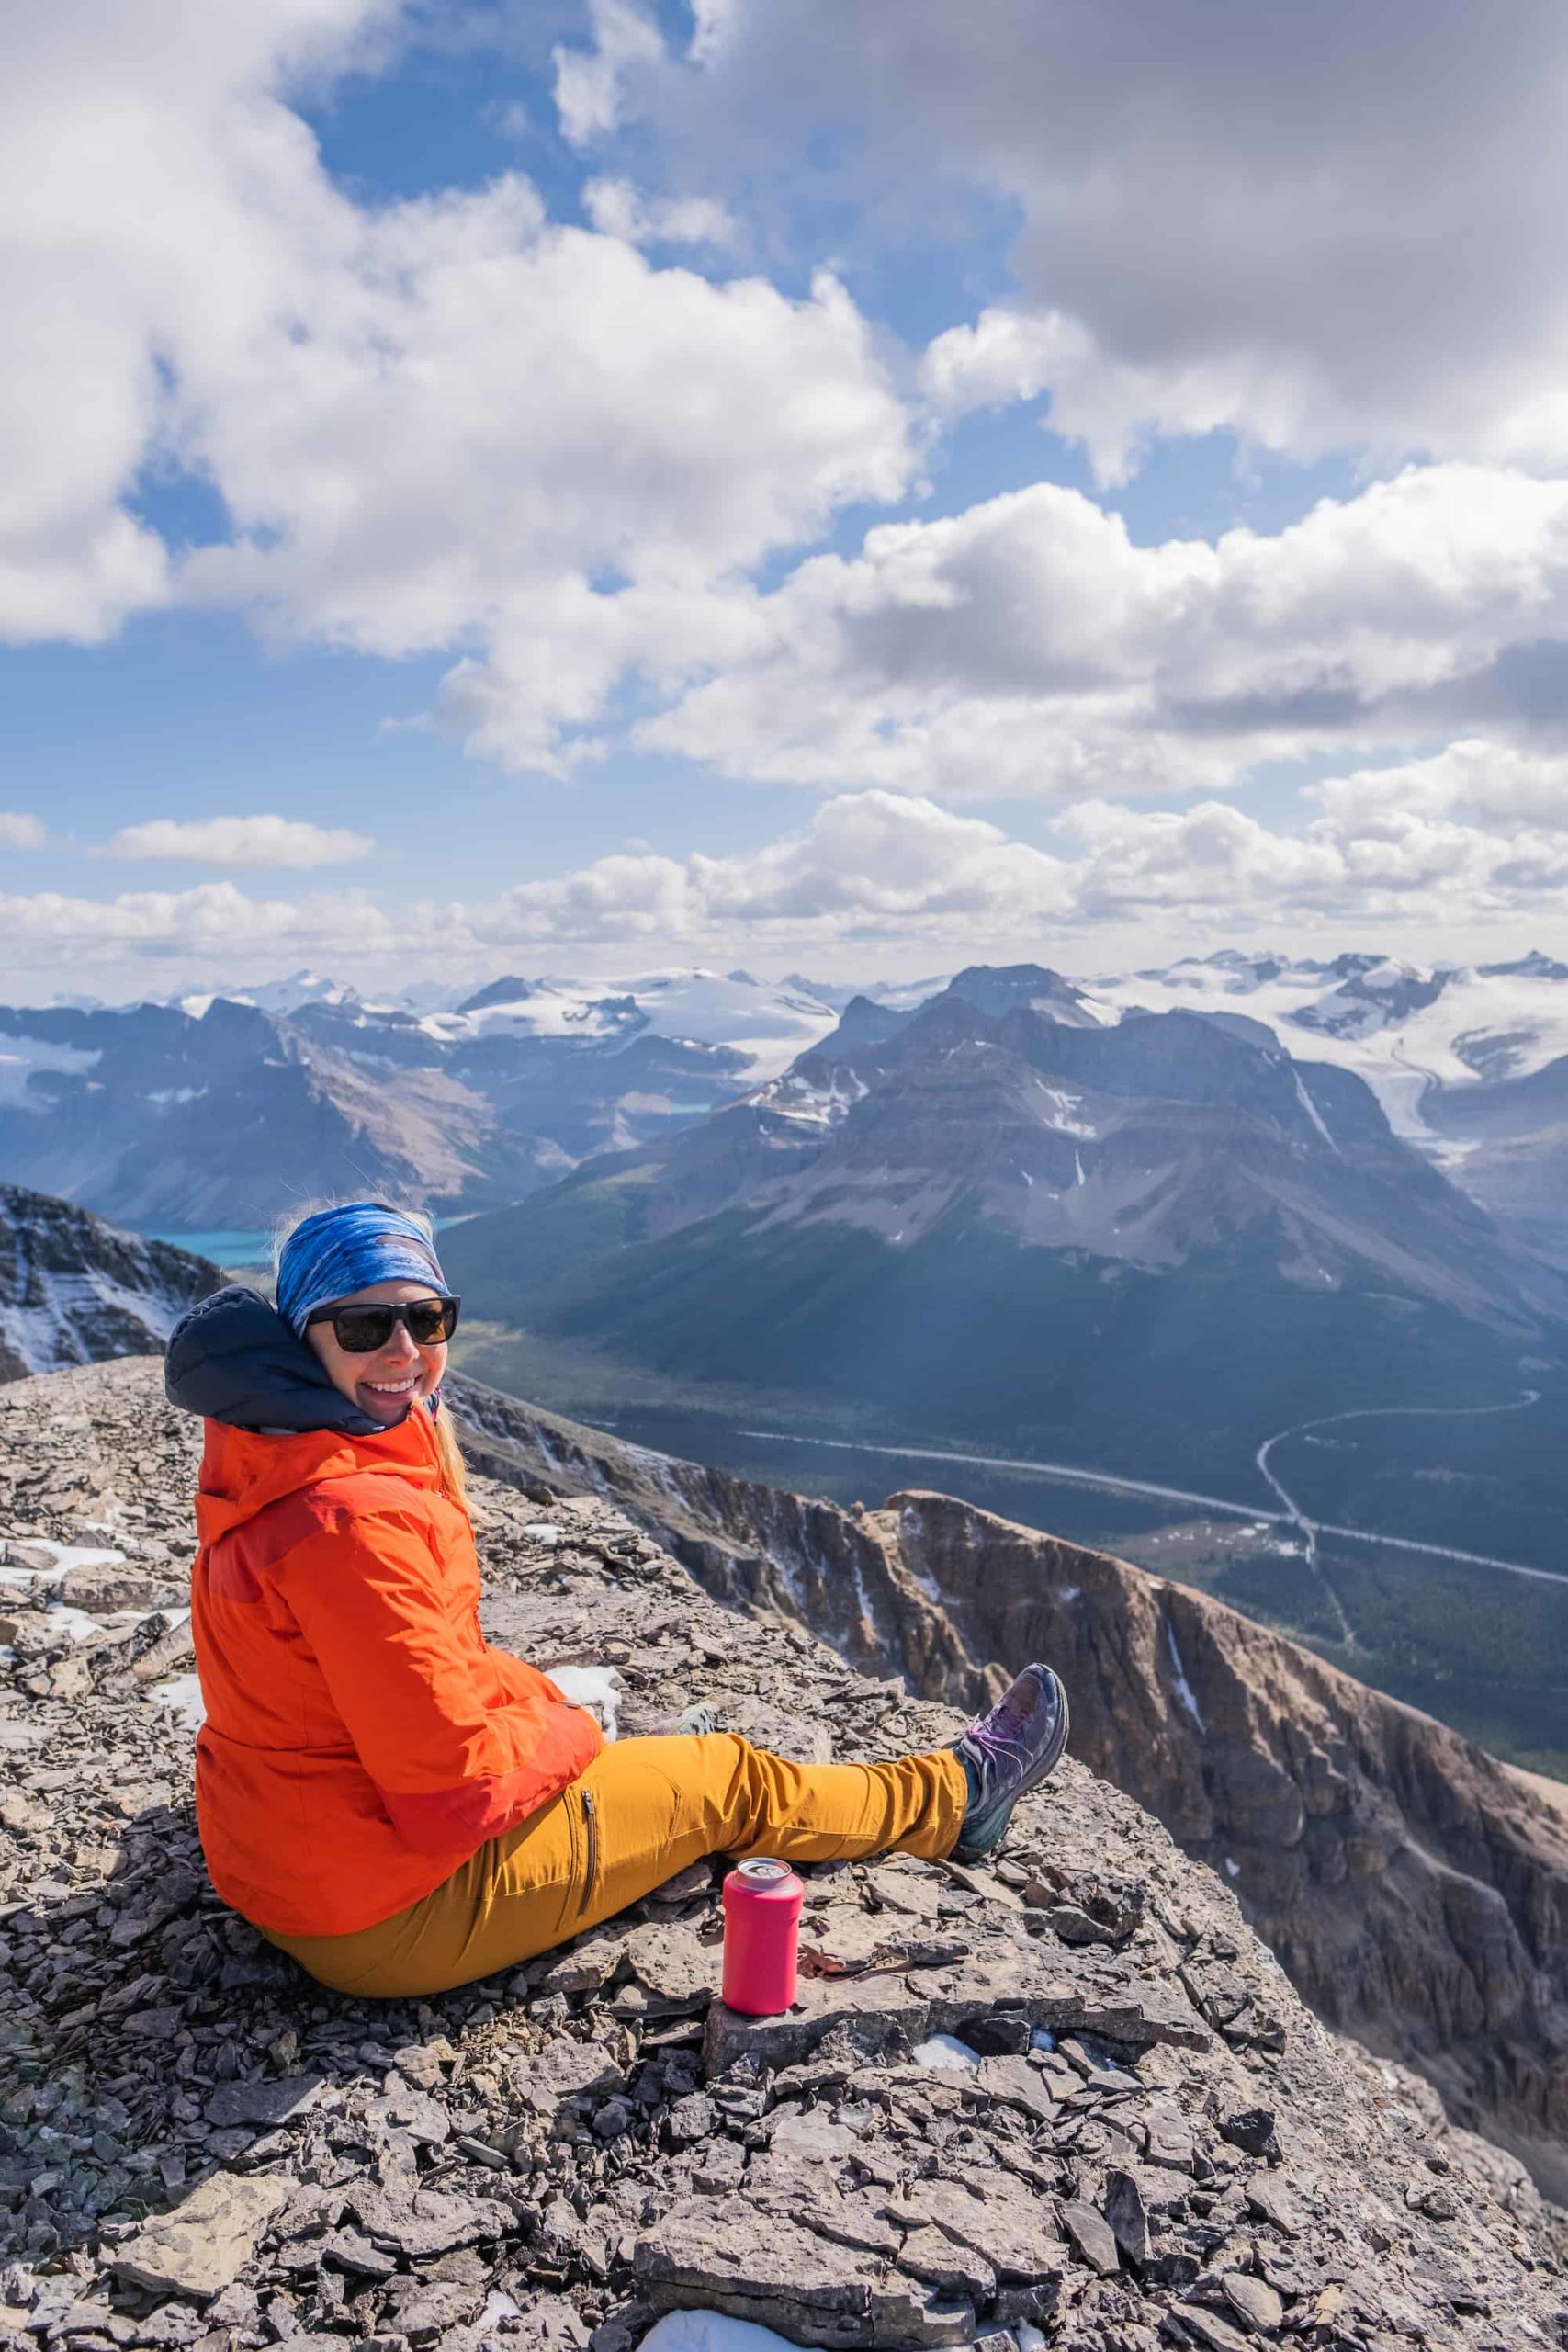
(1290, 1515)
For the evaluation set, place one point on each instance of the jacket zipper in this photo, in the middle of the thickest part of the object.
(590, 1848)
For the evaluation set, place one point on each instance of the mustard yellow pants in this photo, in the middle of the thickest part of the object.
(642, 1811)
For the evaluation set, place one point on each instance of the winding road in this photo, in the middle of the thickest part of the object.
(1291, 1516)
(1310, 1527)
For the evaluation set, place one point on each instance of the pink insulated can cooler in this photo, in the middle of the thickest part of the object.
(762, 1929)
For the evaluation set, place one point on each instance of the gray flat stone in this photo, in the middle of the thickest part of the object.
(1128, 2215)
(428, 2222)
(352, 2252)
(1013, 2082)
(802, 2148)
(677, 1971)
(1044, 1987)
(1253, 2300)
(1093, 2236)
(1009, 2225)
(263, 2104)
(404, 2107)
(1215, 2334)
(202, 2246)
(750, 2257)
(931, 2255)
(563, 2069)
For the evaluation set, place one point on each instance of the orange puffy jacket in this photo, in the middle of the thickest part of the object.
(361, 1737)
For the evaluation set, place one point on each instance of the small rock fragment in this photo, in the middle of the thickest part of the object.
(1252, 2129)
(1093, 2236)
(1207, 2328)
(1253, 2300)
(1128, 2215)
(263, 2104)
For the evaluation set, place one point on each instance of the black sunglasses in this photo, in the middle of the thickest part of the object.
(362, 1330)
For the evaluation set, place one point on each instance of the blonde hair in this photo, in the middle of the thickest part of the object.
(454, 1469)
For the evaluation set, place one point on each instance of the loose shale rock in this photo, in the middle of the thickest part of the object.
(199, 2147)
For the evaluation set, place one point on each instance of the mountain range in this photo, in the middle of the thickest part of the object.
(213, 1112)
(1470, 1062)
(465, 1100)
(468, 1099)
(1149, 1244)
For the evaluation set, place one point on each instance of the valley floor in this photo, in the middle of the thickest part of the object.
(1478, 1641)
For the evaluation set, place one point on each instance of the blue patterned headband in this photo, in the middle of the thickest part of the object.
(340, 1250)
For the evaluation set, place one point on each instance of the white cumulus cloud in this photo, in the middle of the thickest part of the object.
(20, 830)
(589, 77)
(621, 210)
(441, 423)
(1030, 645)
(242, 840)
(211, 918)
(867, 863)
(1468, 839)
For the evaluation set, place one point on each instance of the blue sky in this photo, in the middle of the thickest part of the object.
(1065, 496)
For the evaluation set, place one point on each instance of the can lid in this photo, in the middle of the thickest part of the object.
(762, 1873)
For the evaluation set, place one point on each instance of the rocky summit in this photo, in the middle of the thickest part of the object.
(1069, 2093)
(1415, 1889)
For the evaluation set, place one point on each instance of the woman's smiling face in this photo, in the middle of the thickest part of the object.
(398, 1375)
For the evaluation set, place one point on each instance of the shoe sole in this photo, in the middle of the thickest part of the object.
(966, 1852)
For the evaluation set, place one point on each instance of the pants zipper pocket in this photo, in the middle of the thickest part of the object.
(591, 1849)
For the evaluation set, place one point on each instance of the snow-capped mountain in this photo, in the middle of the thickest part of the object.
(1039, 1230)
(768, 1020)
(213, 1113)
(1401, 1026)
(1009, 1099)
(73, 1288)
(1470, 1062)
(269, 995)
(215, 1110)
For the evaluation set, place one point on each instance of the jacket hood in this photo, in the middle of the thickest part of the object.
(275, 1422)
(233, 1358)
(243, 1470)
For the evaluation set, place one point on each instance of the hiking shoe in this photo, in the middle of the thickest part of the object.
(1008, 1753)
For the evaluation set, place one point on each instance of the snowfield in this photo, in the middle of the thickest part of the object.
(1480, 1022)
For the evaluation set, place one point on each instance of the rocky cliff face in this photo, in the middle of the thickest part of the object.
(73, 1288)
(1416, 1890)
(1134, 2136)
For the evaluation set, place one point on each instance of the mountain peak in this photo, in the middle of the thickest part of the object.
(997, 988)
(1533, 966)
(507, 990)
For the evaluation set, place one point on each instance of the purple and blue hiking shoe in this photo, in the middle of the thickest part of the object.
(1008, 1753)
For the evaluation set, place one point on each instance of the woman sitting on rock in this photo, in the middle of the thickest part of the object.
(384, 1795)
